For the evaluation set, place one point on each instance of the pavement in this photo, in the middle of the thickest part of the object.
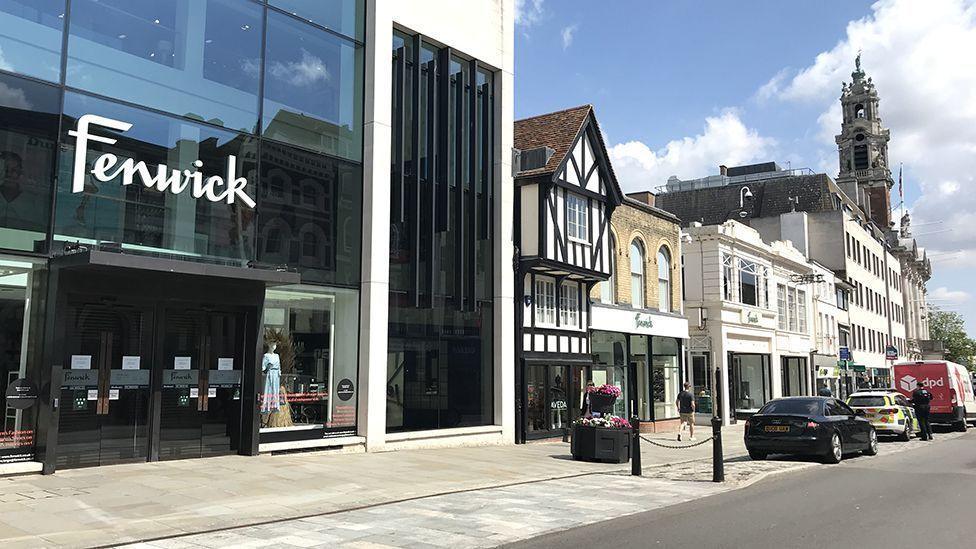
(163, 502)
(914, 494)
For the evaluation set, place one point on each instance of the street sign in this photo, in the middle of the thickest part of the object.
(845, 353)
(891, 352)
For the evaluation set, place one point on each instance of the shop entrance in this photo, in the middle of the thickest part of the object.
(152, 366)
(147, 381)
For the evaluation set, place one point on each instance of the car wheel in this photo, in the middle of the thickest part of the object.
(906, 435)
(872, 449)
(836, 450)
(757, 455)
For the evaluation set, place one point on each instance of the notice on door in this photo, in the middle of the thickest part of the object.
(131, 362)
(225, 363)
(181, 363)
(211, 392)
(92, 394)
(194, 392)
(113, 394)
(81, 362)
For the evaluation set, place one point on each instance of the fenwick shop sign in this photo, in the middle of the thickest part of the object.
(162, 178)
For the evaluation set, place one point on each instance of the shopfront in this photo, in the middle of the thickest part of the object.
(750, 383)
(646, 362)
(180, 228)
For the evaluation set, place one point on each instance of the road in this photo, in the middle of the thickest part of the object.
(921, 498)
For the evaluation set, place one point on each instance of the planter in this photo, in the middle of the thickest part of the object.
(601, 444)
(601, 403)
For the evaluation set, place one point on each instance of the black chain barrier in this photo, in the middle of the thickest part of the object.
(718, 461)
(676, 446)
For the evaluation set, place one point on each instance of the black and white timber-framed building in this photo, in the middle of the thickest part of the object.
(565, 193)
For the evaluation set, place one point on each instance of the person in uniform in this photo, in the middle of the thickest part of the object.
(921, 399)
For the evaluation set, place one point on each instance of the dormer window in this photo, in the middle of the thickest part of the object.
(576, 218)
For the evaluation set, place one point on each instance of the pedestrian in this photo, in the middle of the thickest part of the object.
(686, 411)
(586, 410)
(825, 392)
(921, 398)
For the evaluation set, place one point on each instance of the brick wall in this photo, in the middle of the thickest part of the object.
(630, 222)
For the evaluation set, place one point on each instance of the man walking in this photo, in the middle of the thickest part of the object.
(686, 410)
(921, 398)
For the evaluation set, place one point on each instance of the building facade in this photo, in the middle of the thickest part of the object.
(310, 194)
(751, 311)
(566, 192)
(637, 328)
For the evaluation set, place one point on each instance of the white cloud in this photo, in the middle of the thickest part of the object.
(945, 296)
(920, 56)
(3, 62)
(725, 140)
(13, 98)
(773, 87)
(568, 33)
(309, 70)
(528, 12)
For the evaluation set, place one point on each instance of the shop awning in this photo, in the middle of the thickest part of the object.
(101, 258)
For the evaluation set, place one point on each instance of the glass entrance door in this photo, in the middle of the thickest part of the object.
(105, 388)
(201, 360)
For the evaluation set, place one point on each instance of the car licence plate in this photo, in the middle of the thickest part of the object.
(777, 428)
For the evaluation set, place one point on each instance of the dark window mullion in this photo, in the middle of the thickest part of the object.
(415, 173)
(444, 139)
(473, 136)
(486, 180)
(459, 189)
(430, 188)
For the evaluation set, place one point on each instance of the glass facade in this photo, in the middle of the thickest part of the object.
(17, 435)
(224, 132)
(657, 364)
(439, 366)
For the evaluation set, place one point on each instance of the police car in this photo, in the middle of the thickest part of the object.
(888, 411)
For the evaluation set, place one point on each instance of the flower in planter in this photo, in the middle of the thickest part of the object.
(605, 422)
(606, 390)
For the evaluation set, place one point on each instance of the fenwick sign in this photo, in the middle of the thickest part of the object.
(162, 178)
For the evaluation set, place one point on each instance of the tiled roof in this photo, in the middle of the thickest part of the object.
(771, 197)
(557, 130)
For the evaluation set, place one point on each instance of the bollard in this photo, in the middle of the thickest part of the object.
(635, 448)
(718, 463)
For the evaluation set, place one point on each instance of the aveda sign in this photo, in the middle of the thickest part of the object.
(161, 177)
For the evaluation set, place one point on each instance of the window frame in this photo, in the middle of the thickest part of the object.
(664, 286)
(569, 304)
(544, 302)
(577, 216)
(638, 280)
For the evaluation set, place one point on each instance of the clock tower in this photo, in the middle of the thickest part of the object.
(863, 148)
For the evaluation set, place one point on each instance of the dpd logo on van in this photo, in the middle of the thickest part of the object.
(908, 383)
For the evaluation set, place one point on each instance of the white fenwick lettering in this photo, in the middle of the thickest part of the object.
(107, 167)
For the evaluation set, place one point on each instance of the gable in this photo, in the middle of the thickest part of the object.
(585, 164)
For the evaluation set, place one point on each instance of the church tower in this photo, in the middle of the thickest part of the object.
(863, 148)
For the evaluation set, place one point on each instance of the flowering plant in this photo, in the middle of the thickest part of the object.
(606, 422)
(606, 389)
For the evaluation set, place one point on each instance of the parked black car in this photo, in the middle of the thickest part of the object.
(820, 426)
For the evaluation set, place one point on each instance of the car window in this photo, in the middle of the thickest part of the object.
(868, 401)
(803, 407)
(844, 409)
(838, 408)
(901, 401)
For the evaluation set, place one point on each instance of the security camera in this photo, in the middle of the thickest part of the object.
(743, 214)
(748, 194)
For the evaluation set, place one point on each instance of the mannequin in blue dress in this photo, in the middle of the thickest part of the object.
(271, 366)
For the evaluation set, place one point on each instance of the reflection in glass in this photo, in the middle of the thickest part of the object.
(610, 354)
(312, 88)
(28, 137)
(342, 16)
(311, 214)
(17, 432)
(315, 336)
(145, 218)
(198, 59)
(750, 382)
(664, 362)
(30, 37)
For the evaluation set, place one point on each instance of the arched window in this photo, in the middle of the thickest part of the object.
(637, 292)
(664, 280)
(859, 111)
(608, 289)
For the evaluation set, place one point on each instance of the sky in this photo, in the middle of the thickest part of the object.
(680, 87)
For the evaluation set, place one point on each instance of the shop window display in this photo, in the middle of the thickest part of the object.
(310, 364)
(17, 432)
(666, 378)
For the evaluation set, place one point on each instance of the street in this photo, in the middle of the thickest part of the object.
(919, 498)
